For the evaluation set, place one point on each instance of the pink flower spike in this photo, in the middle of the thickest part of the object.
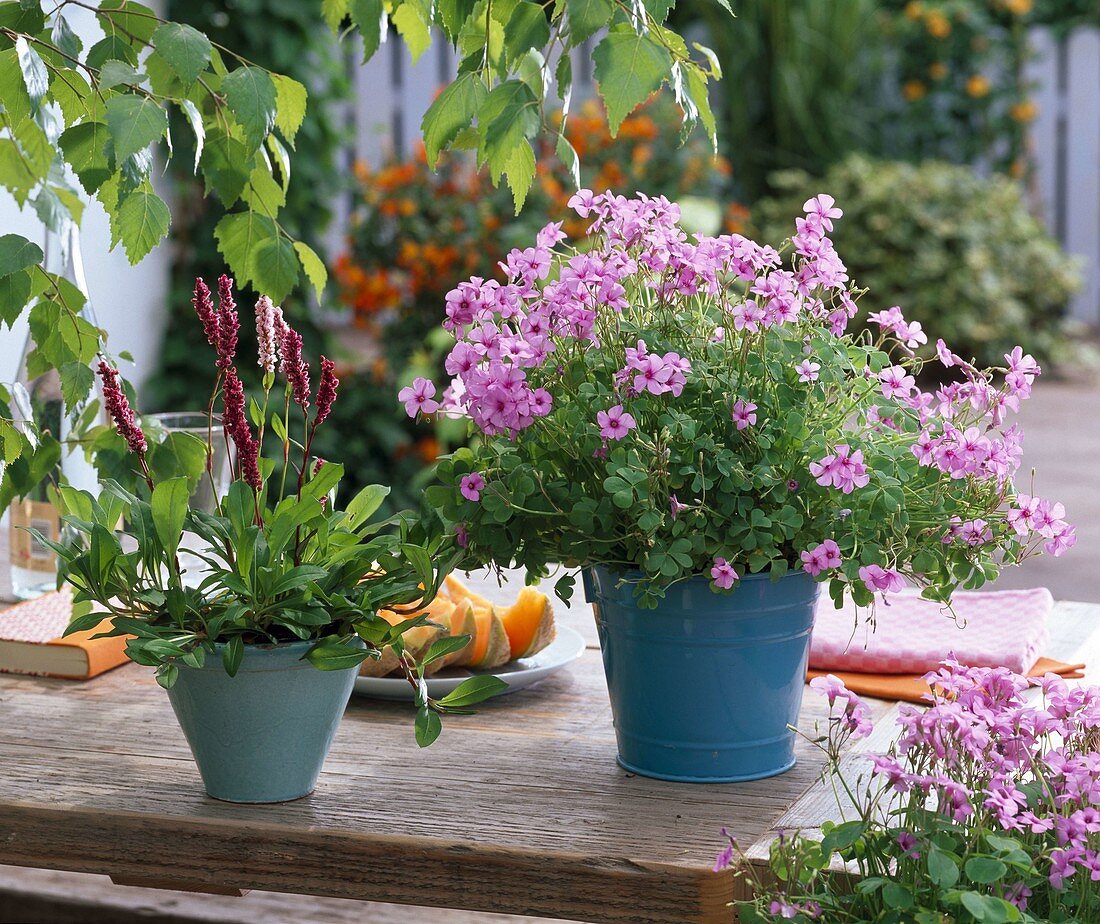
(744, 414)
(118, 407)
(615, 423)
(723, 574)
(326, 390)
(204, 308)
(471, 486)
(228, 322)
(295, 368)
(267, 344)
(419, 398)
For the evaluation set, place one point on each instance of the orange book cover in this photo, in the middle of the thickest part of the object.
(31, 641)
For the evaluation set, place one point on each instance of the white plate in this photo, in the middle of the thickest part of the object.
(566, 648)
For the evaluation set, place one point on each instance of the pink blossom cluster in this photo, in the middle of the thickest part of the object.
(843, 468)
(847, 709)
(981, 745)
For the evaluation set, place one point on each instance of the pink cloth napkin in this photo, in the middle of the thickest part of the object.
(999, 628)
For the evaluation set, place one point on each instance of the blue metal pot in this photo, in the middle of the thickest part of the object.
(703, 688)
(262, 735)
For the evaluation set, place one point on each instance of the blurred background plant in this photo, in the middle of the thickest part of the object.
(417, 232)
(958, 252)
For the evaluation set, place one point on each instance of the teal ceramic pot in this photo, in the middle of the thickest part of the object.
(262, 735)
(703, 688)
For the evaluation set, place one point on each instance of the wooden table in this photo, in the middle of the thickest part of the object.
(520, 809)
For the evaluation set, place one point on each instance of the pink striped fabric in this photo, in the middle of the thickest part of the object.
(1004, 628)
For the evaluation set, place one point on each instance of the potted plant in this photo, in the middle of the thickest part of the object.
(258, 651)
(688, 423)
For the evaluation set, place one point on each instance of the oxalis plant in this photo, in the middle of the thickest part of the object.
(983, 811)
(88, 121)
(280, 561)
(670, 407)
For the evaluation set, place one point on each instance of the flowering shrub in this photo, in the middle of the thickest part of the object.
(281, 562)
(948, 245)
(984, 810)
(676, 407)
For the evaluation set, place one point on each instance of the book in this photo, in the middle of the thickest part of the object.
(31, 641)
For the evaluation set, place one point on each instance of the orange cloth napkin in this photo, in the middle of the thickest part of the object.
(911, 687)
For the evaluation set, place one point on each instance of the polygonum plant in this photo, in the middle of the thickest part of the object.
(985, 809)
(670, 406)
(281, 561)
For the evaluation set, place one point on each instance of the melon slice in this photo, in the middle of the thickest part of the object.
(489, 647)
(529, 623)
(457, 591)
(462, 621)
(417, 640)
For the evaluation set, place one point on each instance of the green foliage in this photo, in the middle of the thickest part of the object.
(959, 252)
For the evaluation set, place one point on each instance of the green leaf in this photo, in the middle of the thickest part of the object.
(474, 690)
(134, 122)
(16, 176)
(290, 106)
(452, 15)
(427, 726)
(586, 18)
(333, 12)
(226, 164)
(194, 118)
(275, 267)
(238, 235)
(119, 73)
(330, 654)
(184, 48)
(368, 17)
(365, 504)
(628, 68)
(62, 35)
(413, 28)
(527, 28)
(77, 380)
(444, 646)
(85, 149)
(166, 673)
(521, 172)
(942, 869)
(232, 655)
(35, 76)
(140, 222)
(313, 266)
(984, 870)
(169, 507)
(567, 154)
(508, 115)
(897, 896)
(251, 96)
(15, 292)
(17, 253)
(453, 110)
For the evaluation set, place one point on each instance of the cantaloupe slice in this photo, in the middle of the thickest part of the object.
(462, 621)
(417, 640)
(489, 647)
(529, 623)
(455, 590)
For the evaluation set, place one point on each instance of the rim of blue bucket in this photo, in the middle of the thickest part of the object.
(634, 575)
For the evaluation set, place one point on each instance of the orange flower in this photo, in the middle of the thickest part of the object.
(1019, 7)
(914, 9)
(1024, 111)
(913, 90)
(427, 448)
(978, 85)
(938, 25)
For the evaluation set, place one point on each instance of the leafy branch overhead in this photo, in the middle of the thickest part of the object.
(515, 56)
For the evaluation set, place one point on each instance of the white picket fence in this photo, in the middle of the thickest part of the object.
(393, 93)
